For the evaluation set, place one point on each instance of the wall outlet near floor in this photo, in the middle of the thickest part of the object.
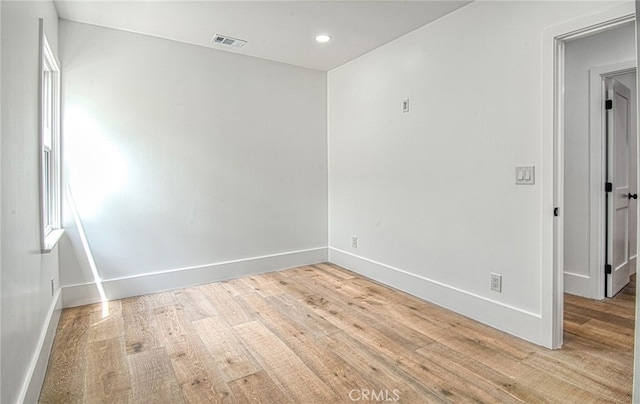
(354, 241)
(53, 285)
(496, 282)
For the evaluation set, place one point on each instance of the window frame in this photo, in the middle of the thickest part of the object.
(49, 145)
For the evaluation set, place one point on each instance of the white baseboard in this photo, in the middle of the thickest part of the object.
(509, 319)
(78, 295)
(583, 285)
(579, 285)
(30, 392)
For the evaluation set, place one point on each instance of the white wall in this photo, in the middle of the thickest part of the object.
(26, 302)
(180, 156)
(582, 55)
(431, 193)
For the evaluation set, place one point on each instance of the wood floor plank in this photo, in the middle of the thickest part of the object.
(578, 345)
(139, 325)
(604, 333)
(401, 314)
(198, 378)
(263, 285)
(599, 314)
(382, 374)
(153, 378)
(439, 353)
(195, 303)
(315, 324)
(334, 371)
(457, 383)
(477, 346)
(337, 307)
(606, 306)
(316, 276)
(335, 271)
(258, 388)
(575, 318)
(372, 302)
(526, 383)
(603, 367)
(107, 379)
(66, 369)
(365, 328)
(106, 324)
(236, 287)
(609, 386)
(299, 271)
(496, 339)
(283, 366)
(162, 299)
(225, 305)
(226, 349)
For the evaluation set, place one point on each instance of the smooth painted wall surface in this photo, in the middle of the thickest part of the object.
(431, 193)
(26, 273)
(179, 156)
(582, 55)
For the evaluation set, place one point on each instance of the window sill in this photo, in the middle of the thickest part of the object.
(51, 240)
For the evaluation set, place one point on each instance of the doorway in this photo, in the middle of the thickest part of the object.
(553, 152)
(596, 234)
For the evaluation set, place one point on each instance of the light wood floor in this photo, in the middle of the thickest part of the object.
(321, 334)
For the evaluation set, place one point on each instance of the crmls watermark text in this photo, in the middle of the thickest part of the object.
(374, 395)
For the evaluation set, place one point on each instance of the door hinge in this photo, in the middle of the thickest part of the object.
(556, 212)
(608, 104)
(607, 269)
(608, 187)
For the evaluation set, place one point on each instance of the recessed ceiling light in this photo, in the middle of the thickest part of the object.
(323, 38)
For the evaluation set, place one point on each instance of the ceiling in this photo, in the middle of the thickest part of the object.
(282, 31)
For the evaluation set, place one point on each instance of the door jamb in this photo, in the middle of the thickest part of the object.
(552, 284)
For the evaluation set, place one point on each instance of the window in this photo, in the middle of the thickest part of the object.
(50, 186)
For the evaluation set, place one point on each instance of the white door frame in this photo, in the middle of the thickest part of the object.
(597, 162)
(552, 254)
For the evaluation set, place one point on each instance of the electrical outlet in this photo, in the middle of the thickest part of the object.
(496, 282)
(354, 241)
(405, 105)
(53, 285)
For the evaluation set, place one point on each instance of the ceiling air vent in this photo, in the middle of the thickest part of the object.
(228, 41)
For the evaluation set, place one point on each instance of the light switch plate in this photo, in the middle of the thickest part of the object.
(526, 175)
